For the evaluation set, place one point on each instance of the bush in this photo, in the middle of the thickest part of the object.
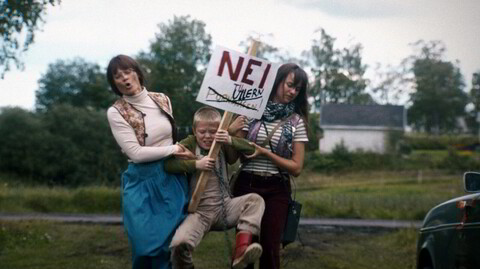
(440, 142)
(455, 162)
(341, 160)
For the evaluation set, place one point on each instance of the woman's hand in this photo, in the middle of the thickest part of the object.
(258, 151)
(237, 125)
(183, 153)
(222, 136)
(205, 164)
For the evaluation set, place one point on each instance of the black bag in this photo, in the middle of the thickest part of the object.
(291, 225)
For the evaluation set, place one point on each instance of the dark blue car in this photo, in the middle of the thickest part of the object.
(450, 234)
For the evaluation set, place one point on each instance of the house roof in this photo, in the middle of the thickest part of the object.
(363, 115)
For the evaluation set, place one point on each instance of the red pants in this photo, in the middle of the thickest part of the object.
(275, 192)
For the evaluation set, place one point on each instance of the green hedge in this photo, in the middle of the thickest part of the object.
(341, 160)
(441, 142)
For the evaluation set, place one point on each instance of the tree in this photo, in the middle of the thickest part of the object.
(176, 64)
(65, 145)
(76, 82)
(391, 83)
(338, 73)
(19, 21)
(270, 52)
(474, 114)
(438, 99)
(475, 91)
(21, 134)
(80, 149)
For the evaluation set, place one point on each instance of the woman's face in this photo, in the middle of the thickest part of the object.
(127, 81)
(287, 91)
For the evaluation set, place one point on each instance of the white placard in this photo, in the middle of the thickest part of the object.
(237, 82)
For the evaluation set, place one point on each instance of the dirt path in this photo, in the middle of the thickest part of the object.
(117, 220)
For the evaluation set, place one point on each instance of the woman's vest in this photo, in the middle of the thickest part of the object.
(135, 118)
(282, 148)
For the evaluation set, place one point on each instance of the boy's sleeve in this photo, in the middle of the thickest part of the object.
(239, 145)
(174, 165)
(242, 145)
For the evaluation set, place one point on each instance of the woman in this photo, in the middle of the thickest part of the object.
(154, 202)
(267, 170)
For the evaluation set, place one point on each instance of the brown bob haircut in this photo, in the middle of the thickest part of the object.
(122, 62)
(300, 80)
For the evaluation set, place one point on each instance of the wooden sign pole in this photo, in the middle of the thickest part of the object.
(204, 175)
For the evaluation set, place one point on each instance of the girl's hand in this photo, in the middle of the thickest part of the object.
(237, 125)
(183, 153)
(258, 151)
(222, 136)
(205, 164)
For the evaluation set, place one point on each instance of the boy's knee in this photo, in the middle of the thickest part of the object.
(178, 239)
(257, 200)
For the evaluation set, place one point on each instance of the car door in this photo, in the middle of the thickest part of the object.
(468, 234)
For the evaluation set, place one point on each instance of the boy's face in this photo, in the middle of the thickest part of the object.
(205, 133)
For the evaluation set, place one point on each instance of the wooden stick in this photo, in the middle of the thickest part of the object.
(224, 123)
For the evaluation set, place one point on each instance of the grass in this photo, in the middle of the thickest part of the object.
(387, 195)
(373, 195)
(49, 245)
(377, 195)
(44, 199)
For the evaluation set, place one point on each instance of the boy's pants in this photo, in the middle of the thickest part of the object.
(245, 212)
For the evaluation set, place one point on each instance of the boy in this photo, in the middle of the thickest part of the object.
(216, 208)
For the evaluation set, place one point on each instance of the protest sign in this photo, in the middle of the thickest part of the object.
(237, 82)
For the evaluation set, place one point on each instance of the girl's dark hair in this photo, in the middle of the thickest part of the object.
(300, 81)
(122, 62)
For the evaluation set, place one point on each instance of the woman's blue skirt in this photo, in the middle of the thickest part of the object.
(154, 204)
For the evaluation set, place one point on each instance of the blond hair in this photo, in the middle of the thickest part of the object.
(208, 114)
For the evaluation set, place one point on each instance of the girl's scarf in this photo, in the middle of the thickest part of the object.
(275, 111)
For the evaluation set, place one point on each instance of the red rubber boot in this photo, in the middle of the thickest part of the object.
(245, 251)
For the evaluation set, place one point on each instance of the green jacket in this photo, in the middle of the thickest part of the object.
(241, 145)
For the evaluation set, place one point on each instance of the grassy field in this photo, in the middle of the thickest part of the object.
(48, 245)
(378, 195)
(407, 195)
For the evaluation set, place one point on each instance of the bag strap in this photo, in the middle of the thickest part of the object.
(271, 147)
(269, 136)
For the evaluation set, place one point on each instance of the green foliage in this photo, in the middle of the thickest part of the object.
(77, 83)
(64, 145)
(315, 132)
(19, 20)
(457, 162)
(82, 150)
(338, 73)
(438, 142)
(176, 64)
(474, 95)
(406, 157)
(22, 136)
(439, 98)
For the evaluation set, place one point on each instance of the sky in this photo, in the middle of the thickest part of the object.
(98, 30)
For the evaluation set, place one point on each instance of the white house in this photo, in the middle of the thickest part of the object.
(364, 127)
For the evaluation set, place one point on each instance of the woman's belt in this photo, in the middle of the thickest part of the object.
(263, 174)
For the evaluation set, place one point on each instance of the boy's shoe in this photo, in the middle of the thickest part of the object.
(245, 251)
